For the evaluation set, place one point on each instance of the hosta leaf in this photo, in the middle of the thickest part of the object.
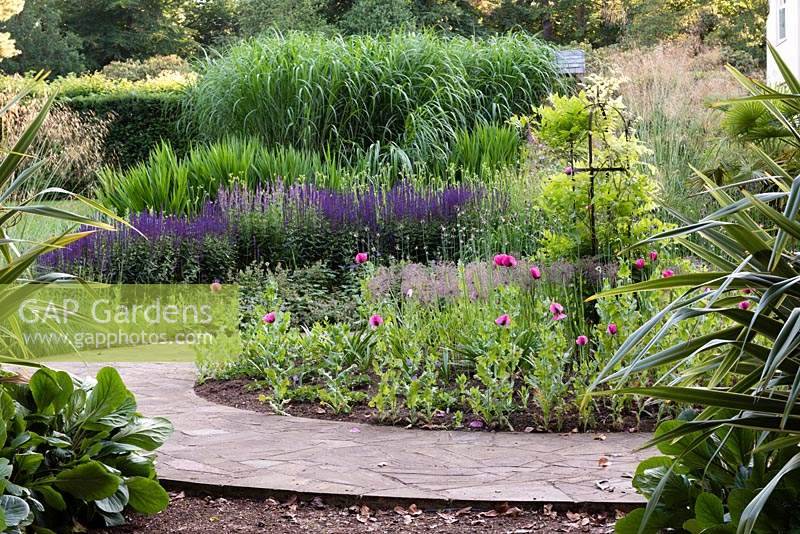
(15, 510)
(107, 395)
(630, 524)
(709, 511)
(146, 495)
(53, 498)
(28, 462)
(49, 386)
(117, 502)
(90, 481)
(147, 433)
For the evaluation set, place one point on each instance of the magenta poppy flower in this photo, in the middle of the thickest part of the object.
(653, 255)
(581, 341)
(503, 320)
(269, 318)
(215, 286)
(505, 260)
(362, 257)
(568, 170)
(639, 263)
(666, 273)
(535, 273)
(375, 321)
(558, 311)
(476, 423)
(747, 291)
(612, 329)
(745, 304)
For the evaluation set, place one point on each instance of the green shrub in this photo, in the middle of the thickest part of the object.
(416, 91)
(143, 69)
(378, 16)
(593, 213)
(137, 122)
(76, 453)
(709, 480)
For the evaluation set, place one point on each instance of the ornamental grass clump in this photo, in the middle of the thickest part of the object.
(416, 91)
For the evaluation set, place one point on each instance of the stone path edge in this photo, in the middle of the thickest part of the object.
(226, 451)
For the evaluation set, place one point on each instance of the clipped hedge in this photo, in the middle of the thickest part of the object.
(138, 122)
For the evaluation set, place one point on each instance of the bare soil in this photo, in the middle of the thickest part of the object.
(235, 393)
(204, 514)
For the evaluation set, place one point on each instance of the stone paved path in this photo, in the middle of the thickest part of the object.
(224, 446)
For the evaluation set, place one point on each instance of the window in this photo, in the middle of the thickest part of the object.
(781, 19)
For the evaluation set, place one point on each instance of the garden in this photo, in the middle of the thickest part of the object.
(418, 227)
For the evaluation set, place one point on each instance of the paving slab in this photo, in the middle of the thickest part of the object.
(231, 449)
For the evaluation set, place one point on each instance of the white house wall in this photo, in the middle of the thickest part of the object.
(789, 48)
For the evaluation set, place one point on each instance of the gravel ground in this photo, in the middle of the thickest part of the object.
(201, 514)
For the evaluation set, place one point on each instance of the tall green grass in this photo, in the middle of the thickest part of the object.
(414, 92)
(172, 184)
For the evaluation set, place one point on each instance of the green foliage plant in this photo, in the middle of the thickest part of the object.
(76, 452)
(743, 373)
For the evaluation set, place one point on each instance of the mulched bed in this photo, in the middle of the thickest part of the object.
(235, 393)
(199, 514)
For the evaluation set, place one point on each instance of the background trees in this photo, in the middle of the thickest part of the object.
(68, 36)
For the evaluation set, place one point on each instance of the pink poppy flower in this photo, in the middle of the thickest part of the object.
(747, 291)
(269, 318)
(612, 329)
(568, 170)
(505, 260)
(535, 273)
(653, 255)
(745, 304)
(581, 341)
(666, 273)
(215, 286)
(558, 311)
(503, 320)
(375, 321)
(639, 263)
(476, 423)
(362, 257)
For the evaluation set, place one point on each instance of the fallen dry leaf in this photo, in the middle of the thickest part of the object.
(447, 518)
(463, 511)
(600, 437)
(603, 462)
(413, 510)
(400, 510)
(489, 513)
(572, 516)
